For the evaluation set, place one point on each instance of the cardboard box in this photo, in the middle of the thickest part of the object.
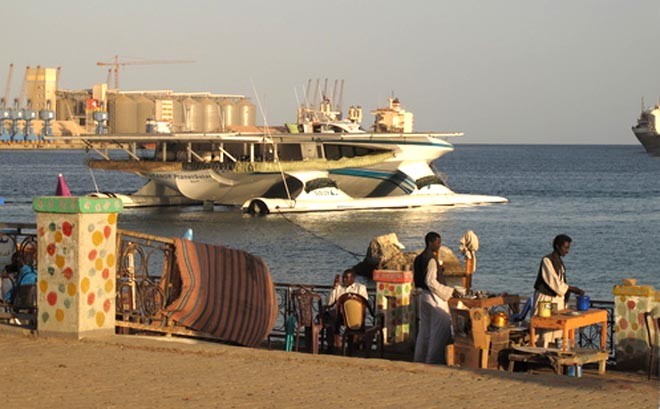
(466, 356)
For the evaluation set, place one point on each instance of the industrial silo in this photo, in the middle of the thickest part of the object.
(247, 113)
(211, 115)
(145, 109)
(123, 115)
(193, 115)
(178, 121)
(229, 113)
(64, 108)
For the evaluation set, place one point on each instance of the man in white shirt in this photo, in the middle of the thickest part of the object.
(551, 285)
(434, 317)
(348, 285)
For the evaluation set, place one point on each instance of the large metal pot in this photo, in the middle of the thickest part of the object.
(499, 319)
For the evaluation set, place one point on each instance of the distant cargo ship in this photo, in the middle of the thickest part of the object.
(647, 129)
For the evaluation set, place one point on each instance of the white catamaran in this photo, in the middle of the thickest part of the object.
(320, 163)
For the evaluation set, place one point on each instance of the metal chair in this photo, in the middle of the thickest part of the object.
(653, 333)
(353, 308)
(307, 318)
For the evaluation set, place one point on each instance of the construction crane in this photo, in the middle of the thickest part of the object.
(5, 96)
(116, 63)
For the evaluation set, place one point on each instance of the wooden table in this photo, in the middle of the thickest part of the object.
(568, 321)
(513, 301)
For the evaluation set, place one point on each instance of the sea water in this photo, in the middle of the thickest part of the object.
(607, 198)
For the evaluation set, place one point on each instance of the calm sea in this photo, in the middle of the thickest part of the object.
(607, 198)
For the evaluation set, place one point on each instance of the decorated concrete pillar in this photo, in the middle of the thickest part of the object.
(77, 259)
(631, 301)
(393, 299)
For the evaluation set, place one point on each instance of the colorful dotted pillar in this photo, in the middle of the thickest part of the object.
(393, 293)
(630, 337)
(76, 239)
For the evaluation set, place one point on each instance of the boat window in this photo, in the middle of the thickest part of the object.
(319, 184)
(429, 180)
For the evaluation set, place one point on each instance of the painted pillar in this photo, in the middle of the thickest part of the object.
(77, 259)
(630, 303)
(393, 299)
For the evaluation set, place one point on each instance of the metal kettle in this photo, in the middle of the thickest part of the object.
(499, 319)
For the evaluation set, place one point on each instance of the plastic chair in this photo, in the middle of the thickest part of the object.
(307, 318)
(652, 332)
(353, 308)
(522, 315)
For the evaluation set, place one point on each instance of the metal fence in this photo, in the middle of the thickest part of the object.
(145, 285)
(284, 292)
(590, 337)
(18, 239)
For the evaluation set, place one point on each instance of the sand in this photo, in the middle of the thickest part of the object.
(147, 372)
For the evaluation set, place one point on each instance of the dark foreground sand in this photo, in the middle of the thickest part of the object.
(141, 372)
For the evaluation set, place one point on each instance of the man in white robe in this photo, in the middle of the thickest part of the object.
(434, 317)
(551, 283)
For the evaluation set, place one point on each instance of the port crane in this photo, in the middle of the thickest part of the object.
(5, 95)
(116, 63)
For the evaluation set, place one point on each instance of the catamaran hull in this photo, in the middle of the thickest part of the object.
(233, 189)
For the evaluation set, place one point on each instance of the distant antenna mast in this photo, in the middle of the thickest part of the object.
(306, 90)
(334, 96)
(316, 94)
(340, 102)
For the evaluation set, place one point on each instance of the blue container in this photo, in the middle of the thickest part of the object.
(570, 370)
(583, 302)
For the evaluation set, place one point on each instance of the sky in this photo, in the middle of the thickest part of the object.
(508, 71)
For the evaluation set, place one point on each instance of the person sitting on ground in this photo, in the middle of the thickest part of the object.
(348, 285)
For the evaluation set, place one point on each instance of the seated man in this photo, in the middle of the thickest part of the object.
(7, 280)
(26, 276)
(348, 285)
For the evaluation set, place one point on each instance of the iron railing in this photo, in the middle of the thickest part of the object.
(18, 239)
(144, 284)
(590, 337)
(284, 294)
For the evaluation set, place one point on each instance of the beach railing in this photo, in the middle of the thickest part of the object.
(18, 239)
(144, 287)
(284, 294)
(144, 282)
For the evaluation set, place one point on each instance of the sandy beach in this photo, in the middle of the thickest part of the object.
(146, 372)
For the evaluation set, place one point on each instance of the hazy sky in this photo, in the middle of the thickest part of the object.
(526, 71)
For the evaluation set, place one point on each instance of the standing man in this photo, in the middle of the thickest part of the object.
(551, 283)
(434, 318)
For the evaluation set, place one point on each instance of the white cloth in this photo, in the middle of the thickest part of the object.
(556, 280)
(355, 288)
(468, 246)
(434, 319)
